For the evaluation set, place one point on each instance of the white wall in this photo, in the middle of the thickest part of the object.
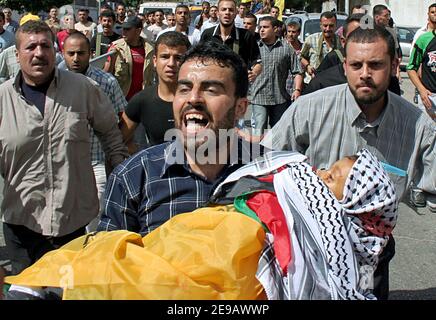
(407, 12)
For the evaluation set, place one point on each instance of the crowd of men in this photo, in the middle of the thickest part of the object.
(82, 146)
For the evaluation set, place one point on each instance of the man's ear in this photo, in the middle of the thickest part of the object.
(154, 60)
(241, 107)
(16, 55)
(344, 64)
(394, 64)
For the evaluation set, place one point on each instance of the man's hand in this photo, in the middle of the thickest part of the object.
(296, 94)
(254, 72)
(310, 70)
(424, 93)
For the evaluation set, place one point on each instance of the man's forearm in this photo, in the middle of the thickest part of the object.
(414, 77)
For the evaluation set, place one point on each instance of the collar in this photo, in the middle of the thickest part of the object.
(19, 78)
(174, 155)
(357, 118)
(278, 43)
(234, 34)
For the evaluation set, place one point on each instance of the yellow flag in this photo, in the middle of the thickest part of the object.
(281, 5)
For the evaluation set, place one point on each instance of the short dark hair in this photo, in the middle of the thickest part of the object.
(433, 5)
(108, 14)
(83, 10)
(79, 36)
(224, 57)
(251, 16)
(328, 15)
(378, 9)
(275, 7)
(370, 35)
(357, 17)
(33, 27)
(106, 7)
(159, 10)
(2, 15)
(274, 22)
(181, 6)
(172, 39)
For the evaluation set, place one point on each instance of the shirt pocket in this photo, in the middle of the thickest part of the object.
(121, 69)
(76, 127)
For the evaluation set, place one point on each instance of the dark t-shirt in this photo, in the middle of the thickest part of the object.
(105, 42)
(36, 95)
(155, 114)
(246, 46)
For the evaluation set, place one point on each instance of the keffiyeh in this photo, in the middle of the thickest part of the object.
(371, 204)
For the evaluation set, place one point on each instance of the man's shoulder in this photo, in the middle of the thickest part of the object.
(208, 32)
(403, 107)
(99, 75)
(313, 37)
(7, 35)
(333, 92)
(79, 80)
(119, 42)
(150, 159)
(145, 96)
(7, 86)
(424, 39)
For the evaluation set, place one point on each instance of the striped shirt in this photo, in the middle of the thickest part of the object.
(312, 51)
(147, 189)
(278, 60)
(328, 125)
(9, 66)
(109, 85)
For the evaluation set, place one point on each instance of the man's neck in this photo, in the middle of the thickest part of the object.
(225, 31)
(431, 26)
(108, 34)
(208, 171)
(373, 111)
(182, 28)
(329, 41)
(269, 41)
(136, 43)
(296, 44)
(166, 91)
(37, 82)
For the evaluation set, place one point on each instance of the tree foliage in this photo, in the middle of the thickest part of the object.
(33, 6)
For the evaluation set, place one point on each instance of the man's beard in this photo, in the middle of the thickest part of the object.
(367, 99)
(210, 138)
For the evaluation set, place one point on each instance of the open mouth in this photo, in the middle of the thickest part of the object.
(195, 122)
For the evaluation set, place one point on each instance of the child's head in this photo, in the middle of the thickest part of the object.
(336, 176)
(361, 185)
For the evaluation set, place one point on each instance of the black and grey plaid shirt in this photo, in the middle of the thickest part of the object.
(148, 189)
(269, 88)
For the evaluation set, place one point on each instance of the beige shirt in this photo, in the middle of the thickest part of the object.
(87, 29)
(49, 184)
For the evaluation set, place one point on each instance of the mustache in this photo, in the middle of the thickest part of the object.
(197, 107)
(39, 63)
(368, 83)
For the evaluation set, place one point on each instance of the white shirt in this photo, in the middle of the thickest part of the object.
(209, 24)
(193, 34)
